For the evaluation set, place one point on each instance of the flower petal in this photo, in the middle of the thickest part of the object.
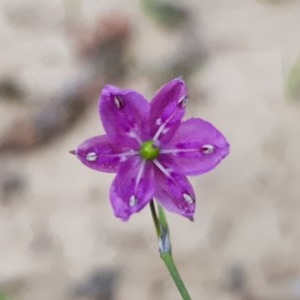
(174, 192)
(101, 154)
(196, 148)
(124, 115)
(132, 188)
(167, 109)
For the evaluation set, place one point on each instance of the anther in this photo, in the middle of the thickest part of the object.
(158, 122)
(188, 198)
(165, 130)
(92, 156)
(183, 101)
(207, 149)
(132, 201)
(119, 102)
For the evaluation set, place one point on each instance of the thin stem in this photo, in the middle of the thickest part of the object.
(155, 219)
(162, 231)
(162, 218)
(169, 262)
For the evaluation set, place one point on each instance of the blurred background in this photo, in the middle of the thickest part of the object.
(58, 236)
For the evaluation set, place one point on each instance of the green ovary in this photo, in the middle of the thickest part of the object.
(149, 151)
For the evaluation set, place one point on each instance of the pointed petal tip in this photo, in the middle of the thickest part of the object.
(191, 218)
(73, 152)
(180, 77)
(122, 218)
(109, 88)
(178, 80)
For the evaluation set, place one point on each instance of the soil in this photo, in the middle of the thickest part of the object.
(57, 228)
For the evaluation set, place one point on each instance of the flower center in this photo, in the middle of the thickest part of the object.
(149, 151)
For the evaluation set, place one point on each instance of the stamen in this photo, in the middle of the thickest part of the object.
(123, 156)
(207, 149)
(119, 102)
(183, 101)
(163, 126)
(132, 201)
(92, 156)
(133, 135)
(158, 122)
(139, 175)
(161, 167)
(176, 151)
(188, 198)
(165, 130)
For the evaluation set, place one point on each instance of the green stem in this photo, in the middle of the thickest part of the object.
(162, 218)
(155, 219)
(162, 231)
(169, 262)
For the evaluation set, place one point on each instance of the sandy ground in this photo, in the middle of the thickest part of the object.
(245, 239)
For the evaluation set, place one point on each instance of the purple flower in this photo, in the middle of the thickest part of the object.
(151, 149)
